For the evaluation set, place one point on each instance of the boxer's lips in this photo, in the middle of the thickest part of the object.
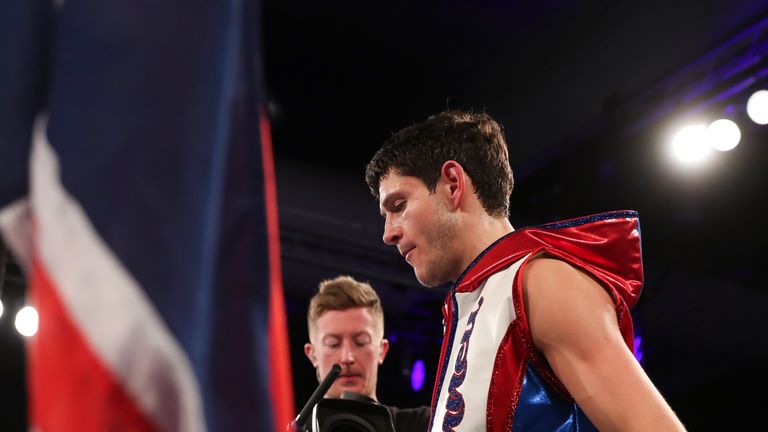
(406, 251)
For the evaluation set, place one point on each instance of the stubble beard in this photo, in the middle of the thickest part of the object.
(440, 267)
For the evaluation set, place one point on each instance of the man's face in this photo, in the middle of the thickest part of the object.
(422, 228)
(351, 339)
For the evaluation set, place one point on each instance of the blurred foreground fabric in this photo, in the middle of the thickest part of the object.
(137, 190)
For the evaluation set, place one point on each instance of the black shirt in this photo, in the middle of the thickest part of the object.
(410, 419)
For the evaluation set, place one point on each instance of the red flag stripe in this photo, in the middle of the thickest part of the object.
(281, 385)
(107, 308)
(70, 387)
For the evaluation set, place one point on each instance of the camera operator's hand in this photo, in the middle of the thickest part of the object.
(293, 427)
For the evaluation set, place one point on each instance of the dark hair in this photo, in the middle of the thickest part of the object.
(474, 140)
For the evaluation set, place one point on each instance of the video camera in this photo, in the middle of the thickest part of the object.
(352, 413)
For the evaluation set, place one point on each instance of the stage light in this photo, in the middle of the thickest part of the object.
(1, 308)
(723, 135)
(27, 321)
(418, 372)
(757, 107)
(691, 144)
(638, 349)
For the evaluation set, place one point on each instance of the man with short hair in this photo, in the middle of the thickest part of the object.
(346, 326)
(538, 334)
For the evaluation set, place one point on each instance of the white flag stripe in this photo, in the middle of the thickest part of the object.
(107, 304)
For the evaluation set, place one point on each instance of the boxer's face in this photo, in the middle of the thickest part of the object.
(421, 226)
(352, 339)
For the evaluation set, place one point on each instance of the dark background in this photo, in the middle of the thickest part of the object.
(589, 93)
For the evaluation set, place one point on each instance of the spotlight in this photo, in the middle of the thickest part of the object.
(757, 107)
(723, 135)
(418, 372)
(691, 144)
(27, 321)
(1, 308)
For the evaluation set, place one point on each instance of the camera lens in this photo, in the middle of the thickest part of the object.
(343, 422)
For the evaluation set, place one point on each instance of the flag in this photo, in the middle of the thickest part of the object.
(137, 190)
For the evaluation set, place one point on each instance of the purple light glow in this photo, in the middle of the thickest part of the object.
(417, 375)
(638, 350)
